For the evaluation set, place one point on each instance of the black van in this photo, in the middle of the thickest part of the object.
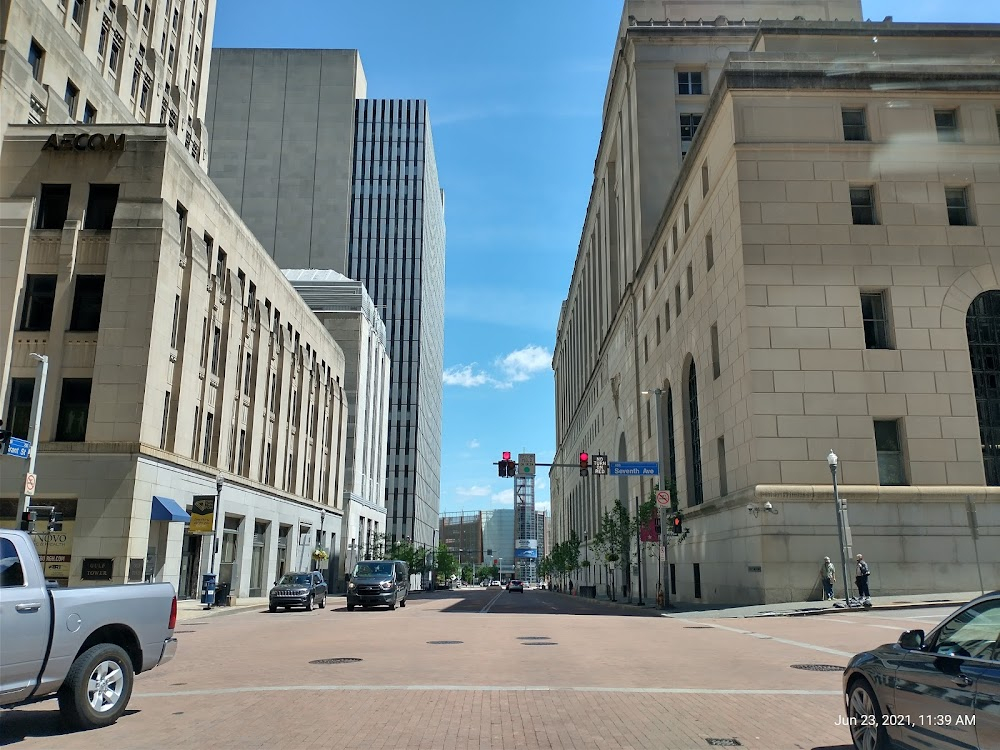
(378, 582)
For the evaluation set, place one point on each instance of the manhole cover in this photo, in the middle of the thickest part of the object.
(723, 742)
(444, 643)
(540, 643)
(338, 660)
(818, 667)
(533, 638)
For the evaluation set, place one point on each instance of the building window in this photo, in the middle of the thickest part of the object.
(645, 348)
(53, 205)
(78, 6)
(206, 451)
(649, 420)
(87, 302)
(687, 216)
(177, 18)
(216, 342)
(716, 365)
(946, 123)
(677, 300)
(863, 205)
(182, 220)
(723, 480)
(666, 315)
(889, 448)
(689, 83)
(695, 489)
(657, 330)
(170, 58)
(101, 204)
(71, 424)
(957, 200)
(671, 445)
(709, 252)
(89, 114)
(704, 179)
(145, 16)
(673, 238)
(173, 326)
(982, 328)
(36, 58)
(689, 126)
(22, 394)
(243, 445)
(876, 320)
(855, 124)
(690, 279)
(247, 373)
(114, 57)
(220, 265)
(252, 297)
(197, 432)
(70, 97)
(136, 78)
(166, 421)
(39, 298)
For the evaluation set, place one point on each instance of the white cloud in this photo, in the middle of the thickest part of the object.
(464, 376)
(473, 443)
(516, 367)
(545, 506)
(521, 364)
(473, 491)
(540, 484)
(504, 497)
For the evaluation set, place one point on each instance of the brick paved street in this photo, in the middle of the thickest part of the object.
(523, 676)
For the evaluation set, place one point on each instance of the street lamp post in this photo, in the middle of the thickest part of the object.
(661, 461)
(586, 554)
(500, 570)
(36, 419)
(219, 483)
(831, 459)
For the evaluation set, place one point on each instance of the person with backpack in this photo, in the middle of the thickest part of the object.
(862, 578)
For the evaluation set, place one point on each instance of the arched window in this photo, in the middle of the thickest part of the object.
(982, 324)
(671, 447)
(695, 493)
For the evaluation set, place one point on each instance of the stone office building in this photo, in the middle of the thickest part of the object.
(821, 274)
(180, 360)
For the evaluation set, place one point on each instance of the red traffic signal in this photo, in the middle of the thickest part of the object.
(584, 463)
(678, 525)
(506, 455)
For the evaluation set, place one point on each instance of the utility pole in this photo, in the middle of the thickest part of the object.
(36, 419)
(661, 460)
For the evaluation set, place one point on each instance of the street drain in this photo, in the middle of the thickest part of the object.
(540, 643)
(183, 631)
(698, 627)
(723, 742)
(818, 667)
(338, 660)
(533, 638)
(444, 643)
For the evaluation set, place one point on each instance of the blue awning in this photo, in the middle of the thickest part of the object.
(165, 509)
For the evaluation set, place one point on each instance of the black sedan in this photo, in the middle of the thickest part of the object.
(939, 690)
(298, 590)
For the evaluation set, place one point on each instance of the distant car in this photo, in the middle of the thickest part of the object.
(302, 589)
(513, 586)
(495, 583)
(940, 690)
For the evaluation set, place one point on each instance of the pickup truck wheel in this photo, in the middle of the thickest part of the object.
(309, 604)
(97, 688)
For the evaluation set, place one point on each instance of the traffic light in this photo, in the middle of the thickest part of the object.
(28, 520)
(584, 462)
(506, 467)
(678, 522)
(55, 521)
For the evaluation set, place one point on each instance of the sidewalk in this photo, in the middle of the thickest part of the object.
(685, 610)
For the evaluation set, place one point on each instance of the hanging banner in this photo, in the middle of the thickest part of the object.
(202, 514)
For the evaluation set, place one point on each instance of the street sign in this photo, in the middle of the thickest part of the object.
(29, 484)
(634, 468)
(19, 448)
(202, 515)
(526, 464)
(663, 498)
(599, 464)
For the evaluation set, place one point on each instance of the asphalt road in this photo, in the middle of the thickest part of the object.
(483, 668)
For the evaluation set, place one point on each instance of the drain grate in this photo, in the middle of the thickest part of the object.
(189, 624)
(818, 667)
(533, 638)
(698, 627)
(540, 643)
(444, 643)
(183, 631)
(337, 660)
(723, 742)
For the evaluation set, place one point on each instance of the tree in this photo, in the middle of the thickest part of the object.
(445, 563)
(403, 549)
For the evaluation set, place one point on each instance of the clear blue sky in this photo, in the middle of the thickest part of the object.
(515, 90)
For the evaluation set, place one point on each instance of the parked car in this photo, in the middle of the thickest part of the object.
(302, 589)
(514, 585)
(378, 582)
(83, 646)
(938, 690)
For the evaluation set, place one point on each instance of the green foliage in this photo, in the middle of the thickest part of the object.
(403, 549)
(445, 563)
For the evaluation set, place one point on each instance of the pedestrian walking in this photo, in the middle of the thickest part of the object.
(829, 575)
(862, 578)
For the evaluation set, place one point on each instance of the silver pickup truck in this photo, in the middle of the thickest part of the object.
(83, 646)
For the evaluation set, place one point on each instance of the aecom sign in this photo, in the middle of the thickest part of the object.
(85, 142)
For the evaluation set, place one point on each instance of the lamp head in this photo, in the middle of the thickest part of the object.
(768, 506)
(832, 460)
(219, 482)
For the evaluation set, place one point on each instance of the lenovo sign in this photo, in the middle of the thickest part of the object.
(85, 142)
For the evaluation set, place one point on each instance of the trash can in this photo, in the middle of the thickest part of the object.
(208, 589)
(222, 592)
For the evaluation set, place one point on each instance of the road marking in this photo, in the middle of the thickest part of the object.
(866, 624)
(484, 688)
(786, 641)
(489, 604)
